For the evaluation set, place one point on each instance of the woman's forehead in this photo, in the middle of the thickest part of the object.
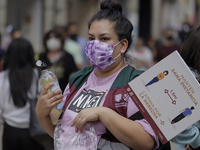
(101, 27)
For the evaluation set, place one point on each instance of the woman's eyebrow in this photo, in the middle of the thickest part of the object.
(90, 34)
(104, 34)
(100, 34)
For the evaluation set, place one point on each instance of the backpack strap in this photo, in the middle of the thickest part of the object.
(136, 116)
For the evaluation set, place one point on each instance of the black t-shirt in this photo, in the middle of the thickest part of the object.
(62, 68)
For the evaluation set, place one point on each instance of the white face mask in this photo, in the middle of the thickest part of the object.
(53, 44)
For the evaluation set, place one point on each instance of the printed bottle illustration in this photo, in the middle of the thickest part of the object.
(46, 78)
(184, 113)
(159, 77)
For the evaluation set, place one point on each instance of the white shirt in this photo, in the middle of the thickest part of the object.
(12, 115)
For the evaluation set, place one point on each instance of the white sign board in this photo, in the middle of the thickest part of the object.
(168, 96)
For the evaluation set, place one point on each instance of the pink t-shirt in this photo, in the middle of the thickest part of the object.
(99, 85)
(92, 94)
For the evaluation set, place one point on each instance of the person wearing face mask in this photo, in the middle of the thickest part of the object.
(167, 46)
(96, 94)
(75, 45)
(57, 60)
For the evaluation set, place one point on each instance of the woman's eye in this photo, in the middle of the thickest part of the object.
(104, 39)
(90, 38)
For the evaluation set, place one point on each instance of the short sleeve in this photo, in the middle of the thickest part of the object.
(132, 109)
(147, 127)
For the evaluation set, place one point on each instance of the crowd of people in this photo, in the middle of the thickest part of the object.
(89, 67)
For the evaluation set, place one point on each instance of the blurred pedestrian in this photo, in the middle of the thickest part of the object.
(167, 45)
(185, 28)
(7, 37)
(142, 55)
(18, 82)
(58, 61)
(16, 33)
(11, 33)
(74, 49)
(72, 34)
(151, 43)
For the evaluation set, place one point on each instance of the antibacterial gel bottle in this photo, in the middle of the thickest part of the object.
(46, 78)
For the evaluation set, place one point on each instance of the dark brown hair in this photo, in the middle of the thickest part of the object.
(112, 11)
(19, 60)
(190, 50)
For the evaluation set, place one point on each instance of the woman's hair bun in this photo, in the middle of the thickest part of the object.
(110, 4)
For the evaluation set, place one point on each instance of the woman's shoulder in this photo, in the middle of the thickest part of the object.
(85, 70)
(66, 55)
(36, 71)
(83, 74)
(42, 55)
(3, 78)
(3, 74)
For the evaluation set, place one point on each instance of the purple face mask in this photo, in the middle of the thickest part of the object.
(100, 54)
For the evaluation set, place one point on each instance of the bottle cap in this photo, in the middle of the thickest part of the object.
(41, 64)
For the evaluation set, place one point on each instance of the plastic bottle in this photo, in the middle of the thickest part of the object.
(46, 78)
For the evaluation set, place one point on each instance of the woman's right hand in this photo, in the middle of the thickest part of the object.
(47, 100)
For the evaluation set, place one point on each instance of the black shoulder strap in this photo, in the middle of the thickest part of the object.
(136, 116)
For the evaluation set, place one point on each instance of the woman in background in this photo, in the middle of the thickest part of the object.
(142, 55)
(58, 61)
(18, 82)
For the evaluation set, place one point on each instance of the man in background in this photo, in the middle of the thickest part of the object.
(167, 45)
(73, 36)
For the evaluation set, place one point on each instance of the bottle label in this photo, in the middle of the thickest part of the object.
(57, 87)
(60, 105)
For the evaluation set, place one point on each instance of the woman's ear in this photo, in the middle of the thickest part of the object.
(124, 47)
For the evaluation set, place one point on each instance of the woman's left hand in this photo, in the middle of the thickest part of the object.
(84, 116)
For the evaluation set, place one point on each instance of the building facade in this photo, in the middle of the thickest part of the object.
(149, 17)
